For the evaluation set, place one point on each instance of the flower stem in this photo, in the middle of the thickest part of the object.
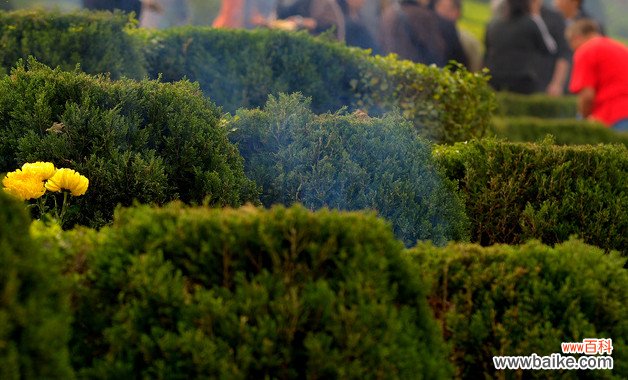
(64, 207)
(56, 208)
(42, 207)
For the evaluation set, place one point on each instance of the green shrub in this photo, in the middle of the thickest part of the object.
(517, 301)
(144, 140)
(251, 293)
(444, 105)
(349, 162)
(538, 105)
(515, 192)
(563, 131)
(238, 68)
(96, 40)
(241, 68)
(34, 313)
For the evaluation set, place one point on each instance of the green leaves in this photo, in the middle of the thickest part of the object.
(509, 300)
(444, 105)
(34, 301)
(349, 162)
(97, 41)
(515, 192)
(251, 293)
(147, 141)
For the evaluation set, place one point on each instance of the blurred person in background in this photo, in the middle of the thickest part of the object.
(161, 14)
(247, 14)
(516, 40)
(498, 8)
(356, 31)
(572, 10)
(231, 15)
(316, 16)
(448, 13)
(261, 13)
(411, 30)
(370, 15)
(553, 69)
(600, 74)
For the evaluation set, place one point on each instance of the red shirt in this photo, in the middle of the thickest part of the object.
(602, 63)
(230, 15)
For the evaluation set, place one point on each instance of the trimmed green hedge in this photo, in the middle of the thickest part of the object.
(349, 162)
(237, 68)
(537, 105)
(563, 131)
(144, 140)
(445, 105)
(249, 293)
(241, 68)
(34, 303)
(517, 301)
(97, 41)
(514, 192)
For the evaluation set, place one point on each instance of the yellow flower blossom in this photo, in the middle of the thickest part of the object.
(68, 179)
(42, 170)
(23, 185)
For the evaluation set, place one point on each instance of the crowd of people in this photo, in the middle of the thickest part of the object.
(525, 47)
(424, 31)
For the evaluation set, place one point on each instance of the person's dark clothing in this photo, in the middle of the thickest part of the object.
(513, 46)
(305, 8)
(299, 7)
(453, 48)
(110, 5)
(412, 32)
(357, 34)
(356, 31)
(547, 62)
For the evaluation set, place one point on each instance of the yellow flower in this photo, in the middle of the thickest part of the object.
(23, 185)
(68, 179)
(42, 170)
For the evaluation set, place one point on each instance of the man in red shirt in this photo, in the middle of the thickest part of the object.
(600, 74)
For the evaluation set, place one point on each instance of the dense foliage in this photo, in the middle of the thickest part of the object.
(349, 162)
(563, 131)
(538, 105)
(97, 41)
(143, 140)
(237, 68)
(34, 303)
(514, 192)
(249, 293)
(444, 105)
(241, 68)
(512, 301)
